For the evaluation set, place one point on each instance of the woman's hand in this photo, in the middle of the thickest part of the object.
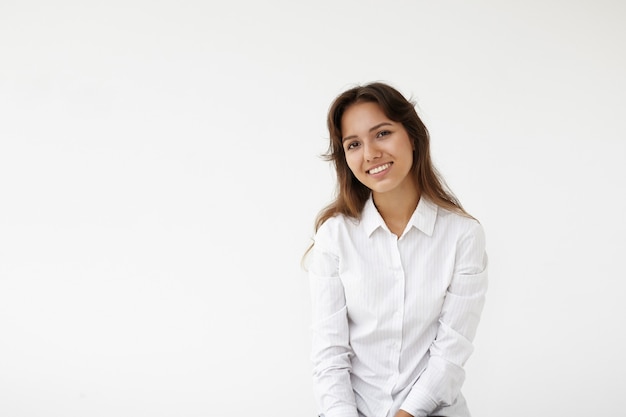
(402, 413)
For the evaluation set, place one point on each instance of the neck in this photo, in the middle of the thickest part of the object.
(396, 208)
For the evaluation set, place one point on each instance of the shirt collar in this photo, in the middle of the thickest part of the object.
(423, 217)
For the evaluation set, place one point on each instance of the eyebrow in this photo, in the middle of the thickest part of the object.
(371, 130)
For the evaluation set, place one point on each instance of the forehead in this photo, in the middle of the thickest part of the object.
(362, 116)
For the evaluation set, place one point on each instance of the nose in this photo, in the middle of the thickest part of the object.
(371, 152)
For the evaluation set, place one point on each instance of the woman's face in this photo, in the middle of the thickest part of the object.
(378, 151)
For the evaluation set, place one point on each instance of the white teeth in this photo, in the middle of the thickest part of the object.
(379, 169)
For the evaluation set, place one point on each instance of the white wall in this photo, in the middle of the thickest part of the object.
(159, 179)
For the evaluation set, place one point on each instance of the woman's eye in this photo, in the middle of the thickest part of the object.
(352, 145)
(383, 133)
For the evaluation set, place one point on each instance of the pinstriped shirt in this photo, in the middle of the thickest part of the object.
(393, 319)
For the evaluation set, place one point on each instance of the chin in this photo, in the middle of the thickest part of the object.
(381, 190)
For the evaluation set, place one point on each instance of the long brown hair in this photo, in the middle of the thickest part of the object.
(351, 194)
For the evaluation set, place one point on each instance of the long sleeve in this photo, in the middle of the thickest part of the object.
(441, 381)
(331, 352)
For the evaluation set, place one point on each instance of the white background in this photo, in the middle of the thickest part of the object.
(159, 178)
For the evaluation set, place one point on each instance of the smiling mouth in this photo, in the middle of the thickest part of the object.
(380, 168)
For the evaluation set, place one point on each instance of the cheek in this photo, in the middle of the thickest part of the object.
(353, 162)
(409, 151)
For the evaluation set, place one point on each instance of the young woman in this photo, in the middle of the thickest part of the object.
(397, 270)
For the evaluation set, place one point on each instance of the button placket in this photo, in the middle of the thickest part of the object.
(397, 316)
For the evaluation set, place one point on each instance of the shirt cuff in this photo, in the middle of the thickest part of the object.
(341, 412)
(418, 404)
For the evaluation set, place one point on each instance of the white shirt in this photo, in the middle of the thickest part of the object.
(394, 318)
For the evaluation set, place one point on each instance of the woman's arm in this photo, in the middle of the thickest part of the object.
(331, 352)
(441, 381)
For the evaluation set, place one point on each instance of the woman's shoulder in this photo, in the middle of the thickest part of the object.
(335, 224)
(462, 224)
(331, 231)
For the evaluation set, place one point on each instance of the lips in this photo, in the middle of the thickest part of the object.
(379, 168)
